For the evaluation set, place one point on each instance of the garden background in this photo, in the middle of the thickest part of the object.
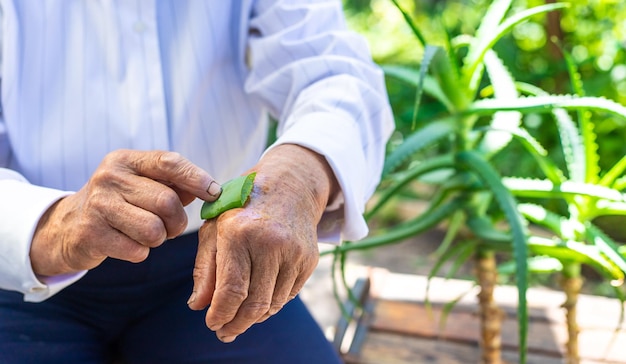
(587, 36)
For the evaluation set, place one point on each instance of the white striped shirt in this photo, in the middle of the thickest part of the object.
(80, 79)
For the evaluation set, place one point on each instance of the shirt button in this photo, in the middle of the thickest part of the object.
(37, 289)
(139, 27)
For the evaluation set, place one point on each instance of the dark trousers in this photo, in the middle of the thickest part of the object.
(136, 313)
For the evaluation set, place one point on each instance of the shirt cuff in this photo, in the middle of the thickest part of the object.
(337, 139)
(23, 205)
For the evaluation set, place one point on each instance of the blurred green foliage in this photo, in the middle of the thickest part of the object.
(593, 32)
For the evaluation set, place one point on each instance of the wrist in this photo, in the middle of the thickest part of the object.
(308, 170)
(45, 259)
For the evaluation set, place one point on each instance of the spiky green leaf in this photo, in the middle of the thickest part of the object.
(488, 26)
(449, 254)
(536, 265)
(474, 162)
(560, 226)
(542, 104)
(412, 76)
(504, 88)
(473, 60)
(614, 173)
(448, 306)
(573, 251)
(571, 140)
(620, 184)
(484, 229)
(604, 207)
(536, 188)
(489, 23)
(536, 150)
(413, 173)
(418, 34)
(416, 226)
(429, 53)
(574, 151)
(443, 69)
(592, 159)
(455, 224)
(417, 141)
(605, 245)
(452, 53)
(463, 249)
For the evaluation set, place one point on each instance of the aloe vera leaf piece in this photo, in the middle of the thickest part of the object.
(235, 193)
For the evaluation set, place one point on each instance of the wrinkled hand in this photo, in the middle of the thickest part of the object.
(251, 261)
(133, 202)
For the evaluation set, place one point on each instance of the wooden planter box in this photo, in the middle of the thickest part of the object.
(397, 326)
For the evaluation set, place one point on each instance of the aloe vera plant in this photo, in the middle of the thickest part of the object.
(470, 192)
(588, 191)
(467, 184)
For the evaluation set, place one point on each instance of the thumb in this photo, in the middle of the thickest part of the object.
(204, 268)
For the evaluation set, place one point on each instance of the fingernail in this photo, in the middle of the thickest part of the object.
(192, 298)
(228, 339)
(214, 189)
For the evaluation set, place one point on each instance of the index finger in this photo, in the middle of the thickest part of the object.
(173, 168)
(232, 283)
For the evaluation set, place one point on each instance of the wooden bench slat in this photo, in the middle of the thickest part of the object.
(461, 325)
(398, 328)
(400, 349)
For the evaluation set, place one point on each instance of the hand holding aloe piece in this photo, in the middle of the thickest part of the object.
(235, 193)
(251, 261)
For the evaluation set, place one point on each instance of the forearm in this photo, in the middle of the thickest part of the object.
(334, 104)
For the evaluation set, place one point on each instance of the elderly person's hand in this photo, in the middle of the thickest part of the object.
(133, 202)
(251, 261)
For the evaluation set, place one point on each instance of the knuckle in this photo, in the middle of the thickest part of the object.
(233, 293)
(264, 318)
(167, 201)
(231, 329)
(115, 157)
(217, 319)
(138, 254)
(111, 157)
(187, 171)
(178, 165)
(200, 272)
(312, 259)
(153, 232)
(218, 315)
(168, 206)
(98, 201)
(254, 310)
(135, 253)
(101, 174)
(177, 227)
(275, 307)
(238, 229)
(296, 250)
(169, 160)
